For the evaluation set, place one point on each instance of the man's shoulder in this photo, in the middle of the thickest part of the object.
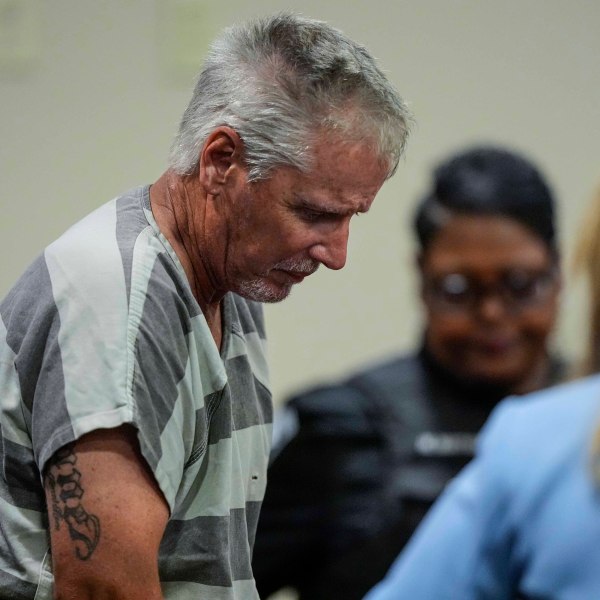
(107, 224)
(85, 267)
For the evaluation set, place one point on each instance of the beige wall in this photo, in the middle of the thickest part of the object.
(91, 92)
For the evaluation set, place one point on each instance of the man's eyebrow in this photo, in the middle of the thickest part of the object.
(327, 208)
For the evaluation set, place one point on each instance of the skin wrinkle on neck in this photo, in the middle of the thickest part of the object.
(172, 204)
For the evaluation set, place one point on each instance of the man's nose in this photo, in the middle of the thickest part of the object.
(333, 249)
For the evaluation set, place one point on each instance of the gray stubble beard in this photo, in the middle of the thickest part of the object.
(259, 289)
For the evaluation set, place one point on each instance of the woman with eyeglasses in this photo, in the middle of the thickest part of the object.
(522, 520)
(489, 272)
(367, 457)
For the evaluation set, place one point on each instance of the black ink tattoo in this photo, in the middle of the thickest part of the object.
(63, 481)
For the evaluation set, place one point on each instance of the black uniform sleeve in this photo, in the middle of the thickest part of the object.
(320, 491)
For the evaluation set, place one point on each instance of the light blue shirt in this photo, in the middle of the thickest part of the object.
(522, 520)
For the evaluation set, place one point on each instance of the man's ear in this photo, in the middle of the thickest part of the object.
(220, 159)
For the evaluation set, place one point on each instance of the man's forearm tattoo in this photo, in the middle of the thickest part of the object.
(64, 482)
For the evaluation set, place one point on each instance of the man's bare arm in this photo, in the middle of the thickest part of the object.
(106, 518)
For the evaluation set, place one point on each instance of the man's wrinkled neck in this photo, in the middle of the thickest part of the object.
(179, 206)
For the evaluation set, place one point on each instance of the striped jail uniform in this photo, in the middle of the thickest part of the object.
(103, 330)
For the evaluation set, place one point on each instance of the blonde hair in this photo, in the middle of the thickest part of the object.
(587, 263)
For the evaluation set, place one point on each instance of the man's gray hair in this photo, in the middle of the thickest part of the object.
(280, 82)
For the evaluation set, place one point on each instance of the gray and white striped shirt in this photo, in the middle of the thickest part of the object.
(102, 330)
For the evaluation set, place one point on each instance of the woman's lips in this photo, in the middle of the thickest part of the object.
(496, 345)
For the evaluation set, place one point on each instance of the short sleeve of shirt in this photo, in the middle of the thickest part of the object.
(113, 322)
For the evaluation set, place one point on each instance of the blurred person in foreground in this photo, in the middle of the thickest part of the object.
(522, 520)
(367, 457)
(136, 411)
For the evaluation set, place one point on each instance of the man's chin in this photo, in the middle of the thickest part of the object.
(261, 291)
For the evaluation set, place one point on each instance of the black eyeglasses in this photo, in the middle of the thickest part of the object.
(518, 289)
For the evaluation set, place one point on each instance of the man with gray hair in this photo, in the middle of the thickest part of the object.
(136, 409)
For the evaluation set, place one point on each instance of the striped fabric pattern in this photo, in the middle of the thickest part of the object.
(102, 330)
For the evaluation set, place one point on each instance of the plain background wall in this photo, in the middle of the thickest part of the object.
(91, 92)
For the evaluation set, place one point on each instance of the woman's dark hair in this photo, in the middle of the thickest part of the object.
(487, 180)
